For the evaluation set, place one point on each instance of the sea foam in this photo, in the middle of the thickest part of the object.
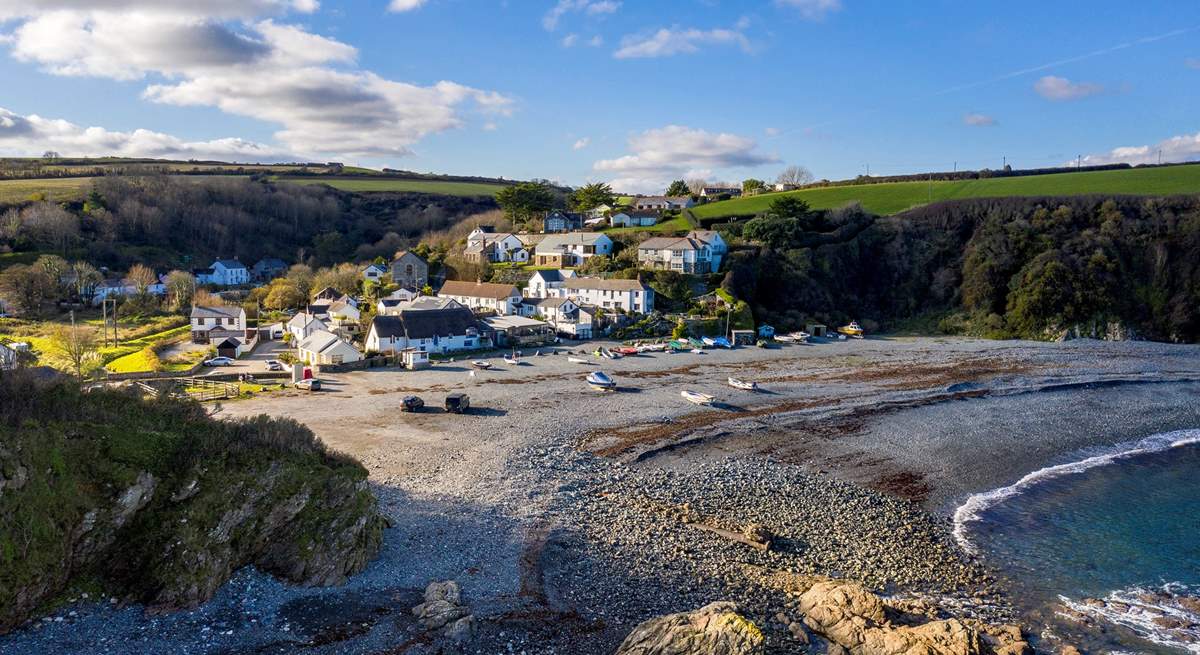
(1162, 616)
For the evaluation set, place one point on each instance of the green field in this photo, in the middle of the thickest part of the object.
(403, 185)
(894, 197)
(55, 189)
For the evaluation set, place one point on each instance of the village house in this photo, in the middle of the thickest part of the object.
(570, 250)
(215, 324)
(700, 251)
(662, 203)
(343, 316)
(561, 221)
(393, 307)
(635, 218)
(783, 186)
(625, 295)
(123, 287)
(542, 282)
(500, 298)
(304, 324)
(224, 273)
(599, 211)
(375, 273)
(519, 331)
(566, 317)
(323, 347)
(433, 330)
(713, 192)
(268, 268)
(494, 247)
(409, 270)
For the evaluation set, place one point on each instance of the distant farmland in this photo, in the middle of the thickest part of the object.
(362, 185)
(894, 197)
(55, 189)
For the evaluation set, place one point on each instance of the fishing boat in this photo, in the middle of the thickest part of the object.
(480, 364)
(512, 359)
(678, 344)
(708, 341)
(743, 385)
(696, 343)
(578, 360)
(786, 338)
(721, 342)
(601, 382)
(697, 397)
(852, 330)
(627, 350)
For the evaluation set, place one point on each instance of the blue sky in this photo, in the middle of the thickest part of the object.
(634, 92)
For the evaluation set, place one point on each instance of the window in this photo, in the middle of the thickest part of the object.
(408, 270)
(336, 359)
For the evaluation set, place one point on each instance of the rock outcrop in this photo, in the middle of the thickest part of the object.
(159, 504)
(445, 612)
(853, 618)
(715, 629)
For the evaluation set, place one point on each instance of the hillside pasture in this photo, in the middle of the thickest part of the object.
(894, 197)
(368, 185)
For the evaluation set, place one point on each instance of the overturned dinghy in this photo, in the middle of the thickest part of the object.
(481, 365)
(600, 381)
(697, 397)
(743, 385)
(578, 360)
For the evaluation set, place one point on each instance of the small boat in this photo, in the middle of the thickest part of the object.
(708, 341)
(627, 350)
(578, 360)
(801, 336)
(697, 351)
(480, 364)
(852, 330)
(679, 344)
(722, 342)
(743, 385)
(696, 343)
(697, 397)
(512, 360)
(601, 382)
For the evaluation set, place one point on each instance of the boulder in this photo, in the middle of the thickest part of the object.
(849, 616)
(444, 610)
(715, 629)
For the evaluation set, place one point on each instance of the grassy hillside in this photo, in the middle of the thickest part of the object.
(892, 198)
(55, 189)
(403, 185)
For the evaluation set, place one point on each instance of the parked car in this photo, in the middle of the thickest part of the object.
(457, 403)
(219, 361)
(311, 384)
(274, 365)
(412, 404)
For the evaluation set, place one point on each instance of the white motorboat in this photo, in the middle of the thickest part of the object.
(697, 397)
(512, 359)
(743, 385)
(600, 381)
(480, 364)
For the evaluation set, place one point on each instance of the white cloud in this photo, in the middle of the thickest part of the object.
(812, 9)
(1060, 89)
(1175, 149)
(667, 42)
(569, 40)
(975, 119)
(596, 41)
(405, 5)
(248, 65)
(22, 135)
(663, 154)
(589, 7)
(582, 143)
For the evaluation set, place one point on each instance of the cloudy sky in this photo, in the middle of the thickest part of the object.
(635, 92)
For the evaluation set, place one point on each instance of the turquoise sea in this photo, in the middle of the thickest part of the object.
(1112, 538)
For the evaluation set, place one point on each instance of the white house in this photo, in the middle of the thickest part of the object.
(494, 247)
(784, 186)
(304, 324)
(375, 272)
(571, 249)
(393, 307)
(663, 203)
(121, 287)
(502, 298)
(228, 273)
(215, 324)
(599, 211)
(625, 295)
(634, 218)
(716, 245)
(432, 330)
(322, 347)
(542, 282)
(700, 251)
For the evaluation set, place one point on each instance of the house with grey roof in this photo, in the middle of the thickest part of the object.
(571, 249)
(543, 281)
(700, 251)
(483, 296)
(622, 295)
(561, 221)
(432, 330)
(268, 268)
(214, 324)
(323, 347)
(228, 273)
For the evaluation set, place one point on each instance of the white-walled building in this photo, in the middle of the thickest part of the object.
(226, 273)
(322, 347)
(626, 295)
(431, 330)
(541, 283)
(571, 249)
(701, 251)
(502, 298)
(214, 324)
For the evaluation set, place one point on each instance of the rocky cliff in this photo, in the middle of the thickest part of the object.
(154, 502)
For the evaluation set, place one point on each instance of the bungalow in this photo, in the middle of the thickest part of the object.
(501, 298)
(268, 268)
(563, 314)
(409, 270)
(228, 273)
(571, 249)
(215, 324)
(304, 324)
(375, 272)
(393, 307)
(713, 192)
(542, 282)
(344, 315)
(625, 295)
(433, 330)
(700, 251)
(518, 331)
(663, 203)
(322, 347)
(560, 221)
(784, 186)
(635, 218)
(494, 247)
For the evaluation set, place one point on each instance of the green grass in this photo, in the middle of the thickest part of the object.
(401, 185)
(55, 189)
(891, 198)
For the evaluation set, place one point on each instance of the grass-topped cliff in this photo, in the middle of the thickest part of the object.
(155, 502)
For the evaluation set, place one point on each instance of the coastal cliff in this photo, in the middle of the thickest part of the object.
(155, 502)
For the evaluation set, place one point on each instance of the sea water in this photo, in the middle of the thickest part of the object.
(1103, 551)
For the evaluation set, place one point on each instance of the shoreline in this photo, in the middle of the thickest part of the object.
(852, 445)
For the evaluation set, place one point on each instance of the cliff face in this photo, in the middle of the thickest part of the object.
(154, 502)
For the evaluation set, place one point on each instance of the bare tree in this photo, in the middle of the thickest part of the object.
(25, 287)
(77, 346)
(50, 225)
(87, 278)
(696, 185)
(796, 175)
(141, 277)
(180, 287)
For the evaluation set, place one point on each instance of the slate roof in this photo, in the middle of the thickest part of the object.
(609, 285)
(229, 263)
(426, 323)
(217, 312)
(477, 289)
